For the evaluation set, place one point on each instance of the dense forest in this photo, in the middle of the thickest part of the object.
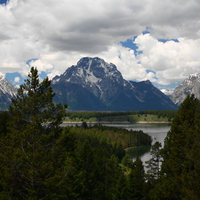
(39, 159)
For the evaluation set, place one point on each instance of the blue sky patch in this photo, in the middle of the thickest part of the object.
(148, 70)
(167, 40)
(3, 1)
(129, 43)
(30, 60)
(43, 74)
(12, 78)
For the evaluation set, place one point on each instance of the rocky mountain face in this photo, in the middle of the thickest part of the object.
(93, 84)
(7, 91)
(190, 85)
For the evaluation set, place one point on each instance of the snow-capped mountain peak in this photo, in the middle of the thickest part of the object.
(94, 74)
(7, 91)
(93, 84)
(6, 87)
(191, 85)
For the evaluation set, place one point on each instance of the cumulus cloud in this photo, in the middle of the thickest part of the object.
(125, 60)
(172, 61)
(56, 34)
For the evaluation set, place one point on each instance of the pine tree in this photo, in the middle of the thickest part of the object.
(87, 164)
(121, 191)
(153, 165)
(32, 152)
(191, 172)
(4, 120)
(136, 180)
(182, 140)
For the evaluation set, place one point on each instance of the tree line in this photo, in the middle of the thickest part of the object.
(169, 114)
(39, 159)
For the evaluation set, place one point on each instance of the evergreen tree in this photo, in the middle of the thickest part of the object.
(191, 172)
(87, 164)
(32, 152)
(4, 120)
(179, 159)
(153, 165)
(108, 173)
(136, 180)
(121, 191)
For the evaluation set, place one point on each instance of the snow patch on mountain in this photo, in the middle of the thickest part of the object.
(90, 77)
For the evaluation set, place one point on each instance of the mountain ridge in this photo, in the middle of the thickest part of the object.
(189, 86)
(7, 92)
(103, 83)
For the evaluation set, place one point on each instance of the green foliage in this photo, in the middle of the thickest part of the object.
(34, 104)
(121, 189)
(33, 148)
(126, 161)
(180, 169)
(124, 137)
(136, 180)
(97, 169)
(4, 120)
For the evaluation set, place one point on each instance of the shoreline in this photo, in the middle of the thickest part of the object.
(136, 147)
(118, 122)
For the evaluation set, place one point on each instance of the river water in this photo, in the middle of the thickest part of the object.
(158, 132)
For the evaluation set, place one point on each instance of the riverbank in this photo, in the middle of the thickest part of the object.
(153, 122)
(118, 122)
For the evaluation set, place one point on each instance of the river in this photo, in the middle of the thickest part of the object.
(158, 132)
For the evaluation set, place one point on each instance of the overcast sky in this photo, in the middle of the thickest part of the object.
(145, 39)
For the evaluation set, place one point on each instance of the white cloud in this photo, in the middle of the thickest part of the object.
(17, 80)
(58, 34)
(125, 61)
(172, 61)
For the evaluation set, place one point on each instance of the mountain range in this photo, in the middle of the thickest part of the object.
(95, 85)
